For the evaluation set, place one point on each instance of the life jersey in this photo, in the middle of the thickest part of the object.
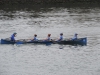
(13, 38)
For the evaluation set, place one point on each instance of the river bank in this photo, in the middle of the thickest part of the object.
(47, 1)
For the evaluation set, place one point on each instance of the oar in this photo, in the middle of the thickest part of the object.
(47, 44)
(19, 42)
(53, 41)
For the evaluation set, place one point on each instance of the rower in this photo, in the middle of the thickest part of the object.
(75, 36)
(35, 38)
(48, 38)
(61, 37)
(13, 37)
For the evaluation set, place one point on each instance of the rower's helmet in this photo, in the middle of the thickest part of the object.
(61, 33)
(49, 34)
(35, 35)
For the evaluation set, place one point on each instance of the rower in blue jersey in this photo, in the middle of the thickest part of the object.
(75, 36)
(48, 38)
(13, 37)
(35, 38)
(61, 37)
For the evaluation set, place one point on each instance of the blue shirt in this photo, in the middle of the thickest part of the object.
(61, 38)
(75, 37)
(12, 37)
(48, 39)
(35, 39)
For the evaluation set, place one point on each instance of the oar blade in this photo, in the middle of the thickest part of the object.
(19, 42)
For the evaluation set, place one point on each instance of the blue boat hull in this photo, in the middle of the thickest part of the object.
(81, 41)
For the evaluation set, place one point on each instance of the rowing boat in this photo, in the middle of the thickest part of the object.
(80, 41)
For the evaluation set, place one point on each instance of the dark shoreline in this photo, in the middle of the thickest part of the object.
(46, 1)
(67, 3)
(37, 5)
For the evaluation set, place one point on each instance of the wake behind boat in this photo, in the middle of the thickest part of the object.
(79, 41)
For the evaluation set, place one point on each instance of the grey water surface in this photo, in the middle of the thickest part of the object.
(30, 59)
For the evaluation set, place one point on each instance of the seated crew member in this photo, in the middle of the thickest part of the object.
(48, 38)
(61, 37)
(13, 37)
(75, 37)
(35, 38)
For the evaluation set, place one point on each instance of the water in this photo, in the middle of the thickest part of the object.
(55, 59)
